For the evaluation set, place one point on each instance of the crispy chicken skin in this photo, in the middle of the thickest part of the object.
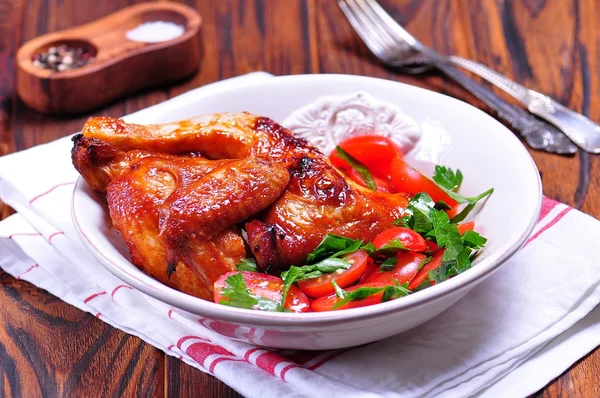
(316, 200)
(136, 199)
(169, 213)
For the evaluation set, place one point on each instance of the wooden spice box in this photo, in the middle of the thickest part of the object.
(119, 66)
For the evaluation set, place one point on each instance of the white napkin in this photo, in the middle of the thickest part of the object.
(510, 336)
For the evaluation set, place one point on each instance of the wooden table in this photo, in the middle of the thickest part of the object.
(49, 348)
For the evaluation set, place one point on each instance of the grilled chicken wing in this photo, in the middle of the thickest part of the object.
(168, 211)
(136, 199)
(317, 200)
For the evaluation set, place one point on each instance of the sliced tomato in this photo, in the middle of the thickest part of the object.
(374, 151)
(431, 246)
(322, 286)
(406, 268)
(265, 286)
(436, 261)
(327, 303)
(371, 267)
(383, 185)
(406, 179)
(467, 226)
(409, 239)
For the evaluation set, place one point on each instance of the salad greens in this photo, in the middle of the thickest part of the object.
(423, 215)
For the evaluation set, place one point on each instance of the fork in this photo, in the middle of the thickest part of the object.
(394, 46)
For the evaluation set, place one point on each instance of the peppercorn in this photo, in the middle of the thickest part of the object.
(62, 57)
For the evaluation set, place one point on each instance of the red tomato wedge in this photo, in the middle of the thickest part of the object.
(322, 286)
(328, 302)
(265, 286)
(371, 267)
(435, 262)
(374, 151)
(432, 246)
(410, 239)
(405, 270)
(464, 227)
(406, 179)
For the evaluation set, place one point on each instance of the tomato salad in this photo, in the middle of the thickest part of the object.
(428, 245)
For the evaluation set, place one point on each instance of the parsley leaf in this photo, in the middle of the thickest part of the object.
(369, 248)
(389, 293)
(388, 264)
(359, 167)
(463, 262)
(445, 177)
(238, 295)
(394, 292)
(338, 290)
(393, 245)
(440, 274)
(471, 202)
(473, 239)
(247, 264)
(418, 213)
(449, 182)
(321, 268)
(334, 246)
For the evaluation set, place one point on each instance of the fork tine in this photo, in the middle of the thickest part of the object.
(363, 30)
(373, 34)
(393, 28)
(370, 18)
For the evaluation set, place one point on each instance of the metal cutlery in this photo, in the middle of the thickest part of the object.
(396, 47)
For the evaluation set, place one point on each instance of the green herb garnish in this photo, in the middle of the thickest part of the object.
(473, 239)
(449, 181)
(238, 295)
(337, 246)
(316, 270)
(446, 178)
(389, 293)
(247, 264)
(388, 264)
(429, 219)
(359, 167)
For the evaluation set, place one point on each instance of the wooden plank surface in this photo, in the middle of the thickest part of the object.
(551, 46)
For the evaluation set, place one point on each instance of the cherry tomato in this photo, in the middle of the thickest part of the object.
(406, 268)
(435, 262)
(406, 179)
(371, 267)
(322, 286)
(382, 184)
(326, 303)
(464, 227)
(266, 286)
(374, 151)
(409, 239)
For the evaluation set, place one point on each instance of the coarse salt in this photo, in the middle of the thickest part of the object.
(155, 32)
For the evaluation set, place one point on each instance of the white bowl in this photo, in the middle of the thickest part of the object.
(488, 154)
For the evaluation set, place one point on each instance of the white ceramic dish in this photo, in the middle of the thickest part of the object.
(488, 154)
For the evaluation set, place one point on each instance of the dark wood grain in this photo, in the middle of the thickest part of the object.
(550, 45)
(11, 19)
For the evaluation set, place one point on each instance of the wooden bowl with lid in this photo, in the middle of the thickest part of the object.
(118, 66)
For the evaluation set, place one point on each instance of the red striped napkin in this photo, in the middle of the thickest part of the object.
(508, 337)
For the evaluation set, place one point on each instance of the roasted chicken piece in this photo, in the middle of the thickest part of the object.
(317, 200)
(159, 204)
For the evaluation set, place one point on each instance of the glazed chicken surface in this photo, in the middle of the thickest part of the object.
(181, 193)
